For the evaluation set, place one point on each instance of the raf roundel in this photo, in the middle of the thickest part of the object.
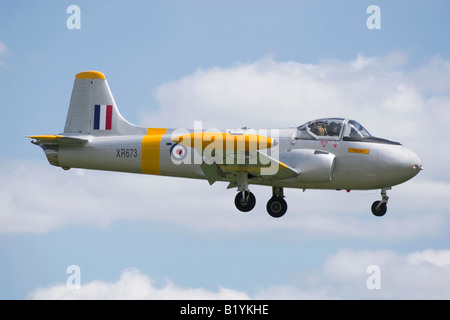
(178, 152)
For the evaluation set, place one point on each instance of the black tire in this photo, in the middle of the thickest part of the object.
(246, 204)
(381, 210)
(276, 207)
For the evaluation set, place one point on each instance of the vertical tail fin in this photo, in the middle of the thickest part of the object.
(93, 110)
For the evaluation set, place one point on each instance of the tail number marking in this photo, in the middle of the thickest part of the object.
(126, 153)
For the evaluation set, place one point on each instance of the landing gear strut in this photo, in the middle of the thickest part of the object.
(277, 206)
(244, 200)
(379, 208)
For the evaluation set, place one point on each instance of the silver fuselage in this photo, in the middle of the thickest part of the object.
(384, 164)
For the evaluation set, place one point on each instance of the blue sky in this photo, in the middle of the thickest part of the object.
(228, 64)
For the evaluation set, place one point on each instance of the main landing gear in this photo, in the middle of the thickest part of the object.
(277, 206)
(245, 200)
(379, 208)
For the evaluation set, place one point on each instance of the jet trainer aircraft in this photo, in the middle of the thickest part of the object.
(331, 153)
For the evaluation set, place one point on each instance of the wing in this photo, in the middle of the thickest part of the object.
(260, 167)
(226, 154)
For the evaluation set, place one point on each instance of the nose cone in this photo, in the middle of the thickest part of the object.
(407, 164)
(417, 166)
(397, 164)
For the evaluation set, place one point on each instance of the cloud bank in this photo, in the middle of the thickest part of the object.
(344, 275)
(270, 94)
(132, 285)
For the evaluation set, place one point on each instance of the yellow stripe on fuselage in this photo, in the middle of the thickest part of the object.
(151, 144)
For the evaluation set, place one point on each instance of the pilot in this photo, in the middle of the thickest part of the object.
(318, 129)
(333, 129)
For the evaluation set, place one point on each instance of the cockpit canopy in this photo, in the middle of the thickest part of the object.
(332, 129)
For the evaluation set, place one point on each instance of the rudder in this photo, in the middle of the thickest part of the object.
(93, 110)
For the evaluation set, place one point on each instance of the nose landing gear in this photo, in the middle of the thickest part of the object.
(379, 208)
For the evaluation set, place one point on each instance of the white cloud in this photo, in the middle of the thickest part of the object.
(389, 100)
(418, 275)
(432, 76)
(344, 275)
(439, 258)
(272, 94)
(133, 285)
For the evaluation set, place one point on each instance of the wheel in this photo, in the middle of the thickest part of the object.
(245, 204)
(381, 210)
(276, 207)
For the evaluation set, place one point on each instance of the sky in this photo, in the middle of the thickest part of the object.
(83, 234)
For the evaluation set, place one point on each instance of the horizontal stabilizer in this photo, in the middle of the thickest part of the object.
(56, 139)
